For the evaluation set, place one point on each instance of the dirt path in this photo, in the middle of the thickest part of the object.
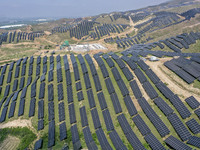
(131, 21)
(44, 39)
(10, 143)
(16, 123)
(180, 88)
(191, 25)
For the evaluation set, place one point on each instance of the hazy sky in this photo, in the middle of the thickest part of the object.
(68, 8)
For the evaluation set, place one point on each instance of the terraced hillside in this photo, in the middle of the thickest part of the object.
(101, 101)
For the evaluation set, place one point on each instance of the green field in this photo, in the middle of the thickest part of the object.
(59, 144)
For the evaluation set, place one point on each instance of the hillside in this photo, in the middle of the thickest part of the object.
(127, 80)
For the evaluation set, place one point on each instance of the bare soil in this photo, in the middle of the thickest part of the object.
(16, 123)
(176, 84)
(10, 143)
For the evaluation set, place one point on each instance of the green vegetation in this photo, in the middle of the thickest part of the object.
(196, 84)
(25, 135)
(132, 33)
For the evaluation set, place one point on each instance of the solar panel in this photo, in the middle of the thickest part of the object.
(109, 86)
(193, 125)
(1, 79)
(116, 74)
(22, 80)
(110, 62)
(38, 144)
(78, 86)
(80, 96)
(194, 141)
(63, 131)
(151, 92)
(116, 103)
(130, 135)
(40, 124)
(102, 100)
(23, 94)
(21, 107)
(44, 59)
(176, 144)
(60, 91)
(192, 102)
(50, 92)
(61, 109)
(132, 64)
(33, 89)
(140, 75)
(38, 70)
(69, 94)
(117, 142)
(72, 113)
(42, 90)
(87, 81)
(58, 59)
(153, 117)
(23, 70)
(9, 77)
(152, 76)
(32, 107)
(7, 100)
(29, 81)
(103, 140)
(127, 73)
(141, 125)
(136, 91)
(108, 120)
(7, 91)
(12, 109)
(51, 134)
(120, 63)
(76, 72)
(11, 66)
(164, 90)
(30, 70)
(59, 75)
(180, 107)
(75, 137)
(91, 98)
(88, 139)
(163, 106)
(179, 127)
(84, 120)
(143, 65)
(122, 88)
(153, 142)
(95, 118)
(51, 111)
(104, 71)
(197, 112)
(130, 106)
(97, 83)
(3, 114)
(41, 109)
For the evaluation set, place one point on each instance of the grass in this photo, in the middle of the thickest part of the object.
(25, 135)
(16, 52)
(196, 84)
(59, 144)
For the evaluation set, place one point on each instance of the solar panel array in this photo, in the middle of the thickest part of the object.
(179, 127)
(56, 100)
(194, 141)
(153, 117)
(192, 102)
(176, 144)
(193, 125)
